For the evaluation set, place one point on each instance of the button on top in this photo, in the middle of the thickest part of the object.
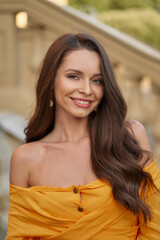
(80, 209)
(75, 190)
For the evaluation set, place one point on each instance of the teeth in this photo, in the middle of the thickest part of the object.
(80, 101)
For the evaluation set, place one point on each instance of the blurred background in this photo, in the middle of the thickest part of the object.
(128, 29)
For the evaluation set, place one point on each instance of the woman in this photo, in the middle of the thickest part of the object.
(85, 172)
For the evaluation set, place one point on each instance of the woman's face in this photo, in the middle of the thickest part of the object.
(78, 84)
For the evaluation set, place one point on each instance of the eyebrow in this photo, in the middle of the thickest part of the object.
(80, 72)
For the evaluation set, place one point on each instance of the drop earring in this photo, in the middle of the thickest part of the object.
(51, 103)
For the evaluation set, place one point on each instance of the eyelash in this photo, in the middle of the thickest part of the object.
(97, 81)
(73, 76)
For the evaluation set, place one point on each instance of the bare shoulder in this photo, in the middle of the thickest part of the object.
(21, 163)
(138, 131)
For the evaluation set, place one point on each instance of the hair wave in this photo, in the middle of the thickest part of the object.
(115, 154)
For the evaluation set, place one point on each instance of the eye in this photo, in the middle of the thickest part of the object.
(73, 76)
(98, 81)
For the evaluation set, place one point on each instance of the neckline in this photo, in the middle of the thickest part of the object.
(96, 183)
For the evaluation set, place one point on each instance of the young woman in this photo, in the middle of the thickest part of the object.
(85, 172)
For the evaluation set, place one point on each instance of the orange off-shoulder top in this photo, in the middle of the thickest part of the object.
(80, 213)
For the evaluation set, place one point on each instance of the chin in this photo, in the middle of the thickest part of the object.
(80, 115)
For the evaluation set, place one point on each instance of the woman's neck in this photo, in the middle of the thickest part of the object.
(69, 129)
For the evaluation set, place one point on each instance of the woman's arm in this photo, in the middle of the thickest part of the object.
(19, 175)
(19, 166)
(150, 231)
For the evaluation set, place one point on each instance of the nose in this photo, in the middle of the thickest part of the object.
(85, 88)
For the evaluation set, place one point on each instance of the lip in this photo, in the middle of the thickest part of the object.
(80, 104)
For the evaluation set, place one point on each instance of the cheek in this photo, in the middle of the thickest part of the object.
(63, 89)
(60, 87)
(99, 93)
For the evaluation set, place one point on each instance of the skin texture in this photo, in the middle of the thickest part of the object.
(77, 79)
(62, 158)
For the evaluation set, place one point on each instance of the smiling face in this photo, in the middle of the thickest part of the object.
(78, 84)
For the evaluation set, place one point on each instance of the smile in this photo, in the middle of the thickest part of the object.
(81, 103)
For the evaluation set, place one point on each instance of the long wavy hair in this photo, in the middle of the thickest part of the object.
(115, 153)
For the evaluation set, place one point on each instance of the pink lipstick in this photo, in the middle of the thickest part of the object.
(82, 102)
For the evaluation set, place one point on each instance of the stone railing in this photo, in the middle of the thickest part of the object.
(136, 65)
(11, 136)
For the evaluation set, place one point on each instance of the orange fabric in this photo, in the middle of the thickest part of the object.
(51, 213)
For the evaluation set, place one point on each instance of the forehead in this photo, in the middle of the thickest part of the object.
(82, 58)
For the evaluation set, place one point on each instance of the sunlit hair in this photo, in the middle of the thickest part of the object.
(115, 154)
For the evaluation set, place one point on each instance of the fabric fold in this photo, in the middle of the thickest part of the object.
(51, 213)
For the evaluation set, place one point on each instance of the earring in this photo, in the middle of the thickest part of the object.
(51, 103)
(95, 109)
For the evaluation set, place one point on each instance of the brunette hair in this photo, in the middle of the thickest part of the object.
(115, 153)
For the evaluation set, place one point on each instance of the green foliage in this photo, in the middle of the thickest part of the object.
(104, 5)
(137, 18)
(100, 5)
(124, 4)
(143, 24)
